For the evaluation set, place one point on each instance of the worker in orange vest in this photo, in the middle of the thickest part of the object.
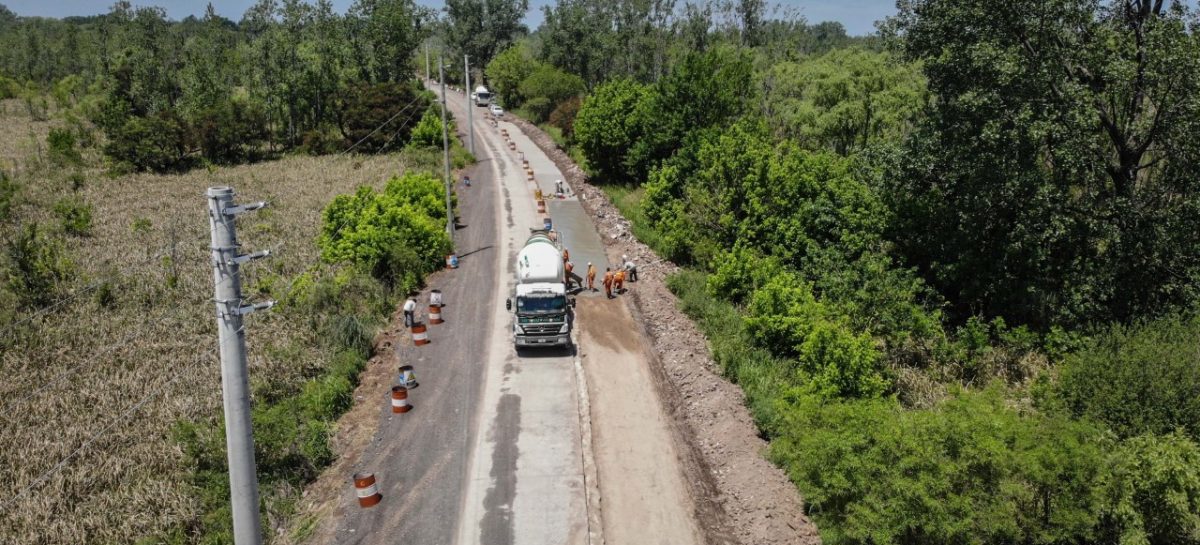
(591, 275)
(566, 254)
(570, 267)
(608, 282)
(619, 281)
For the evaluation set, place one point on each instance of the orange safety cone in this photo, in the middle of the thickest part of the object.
(366, 490)
(419, 335)
(400, 400)
(435, 314)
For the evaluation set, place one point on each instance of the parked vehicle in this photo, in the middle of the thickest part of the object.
(482, 96)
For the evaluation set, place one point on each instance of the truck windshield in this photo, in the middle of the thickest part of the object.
(541, 304)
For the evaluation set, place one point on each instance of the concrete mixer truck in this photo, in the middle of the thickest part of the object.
(543, 312)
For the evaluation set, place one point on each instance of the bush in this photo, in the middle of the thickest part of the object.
(367, 106)
(75, 216)
(1139, 379)
(607, 127)
(61, 143)
(321, 142)
(428, 132)
(546, 87)
(157, 143)
(391, 233)
(37, 267)
(564, 115)
(8, 193)
(970, 471)
(230, 132)
(1152, 495)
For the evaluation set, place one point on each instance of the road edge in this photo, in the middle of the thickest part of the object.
(591, 478)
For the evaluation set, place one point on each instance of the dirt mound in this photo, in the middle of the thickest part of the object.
(761, 504)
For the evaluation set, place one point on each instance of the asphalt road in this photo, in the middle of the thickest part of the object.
(491, 452)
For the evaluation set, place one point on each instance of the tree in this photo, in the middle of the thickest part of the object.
(1054, 175)
(607, 127)
(387, 33)
(546, 87)
(507, 70)
(844, 100)
(481, 28)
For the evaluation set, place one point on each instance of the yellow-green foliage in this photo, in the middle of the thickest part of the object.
(397, 235)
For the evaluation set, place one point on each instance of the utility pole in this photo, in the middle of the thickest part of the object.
(446, 149)
(235, 387)
(470, 107)
(427, 74)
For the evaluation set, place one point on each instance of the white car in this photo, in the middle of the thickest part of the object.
(497, 111)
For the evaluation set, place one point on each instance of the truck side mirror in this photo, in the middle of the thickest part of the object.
(508, 304)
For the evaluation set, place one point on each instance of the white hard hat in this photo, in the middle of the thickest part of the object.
(589, 263)
(625, 257)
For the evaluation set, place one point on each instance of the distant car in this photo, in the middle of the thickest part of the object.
(497, 110)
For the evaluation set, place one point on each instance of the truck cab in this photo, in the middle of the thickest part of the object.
(542, 308)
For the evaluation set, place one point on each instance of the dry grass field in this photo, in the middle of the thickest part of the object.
(94, 385)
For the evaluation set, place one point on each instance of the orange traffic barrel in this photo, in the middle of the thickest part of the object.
(435, 314)
(541, 207)
(400, 400)
(366, 490)
(419, 334)
(452, 261)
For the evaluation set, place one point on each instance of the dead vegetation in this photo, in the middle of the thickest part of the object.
(95, 383)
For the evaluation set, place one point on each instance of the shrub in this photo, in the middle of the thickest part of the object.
(428, 132)
(607, 127)
(37, 267)
(1152, 495)
(546, 87)
(365, 107)
(230, 131)
(320, 142)
(1138, 379)
(564, 115)
(75, 216)
(399, 229)
(158, 143)
(8, 192)
(61, 143)
(970, 471)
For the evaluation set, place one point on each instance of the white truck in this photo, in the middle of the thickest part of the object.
(543, 313)
(482, 96)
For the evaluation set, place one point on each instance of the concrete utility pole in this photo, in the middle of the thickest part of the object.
(235, 387)
(470, 107)
(446, 149)
(427, 75)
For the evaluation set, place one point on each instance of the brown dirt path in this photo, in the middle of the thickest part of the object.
(646, 500)
(759, 505)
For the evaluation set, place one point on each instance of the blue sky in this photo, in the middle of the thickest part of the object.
(858, 16)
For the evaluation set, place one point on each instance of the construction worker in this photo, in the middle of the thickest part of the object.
(566, 254)
(608, 282)
(619, 281)
(570, 268)
(630, 268)
(410, 308)
(467, 181)
(591, 275)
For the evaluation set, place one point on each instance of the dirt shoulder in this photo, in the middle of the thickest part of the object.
(758, 503)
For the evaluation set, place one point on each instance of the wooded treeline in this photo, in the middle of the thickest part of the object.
(289, 75)
(952, 265)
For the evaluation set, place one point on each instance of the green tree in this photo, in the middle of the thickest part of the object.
(507, 70)
(844, 100)
(1139, 379)
(1062, 144)
(1153, 492)
(608, 125)
(546, 87)
(481, 28)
